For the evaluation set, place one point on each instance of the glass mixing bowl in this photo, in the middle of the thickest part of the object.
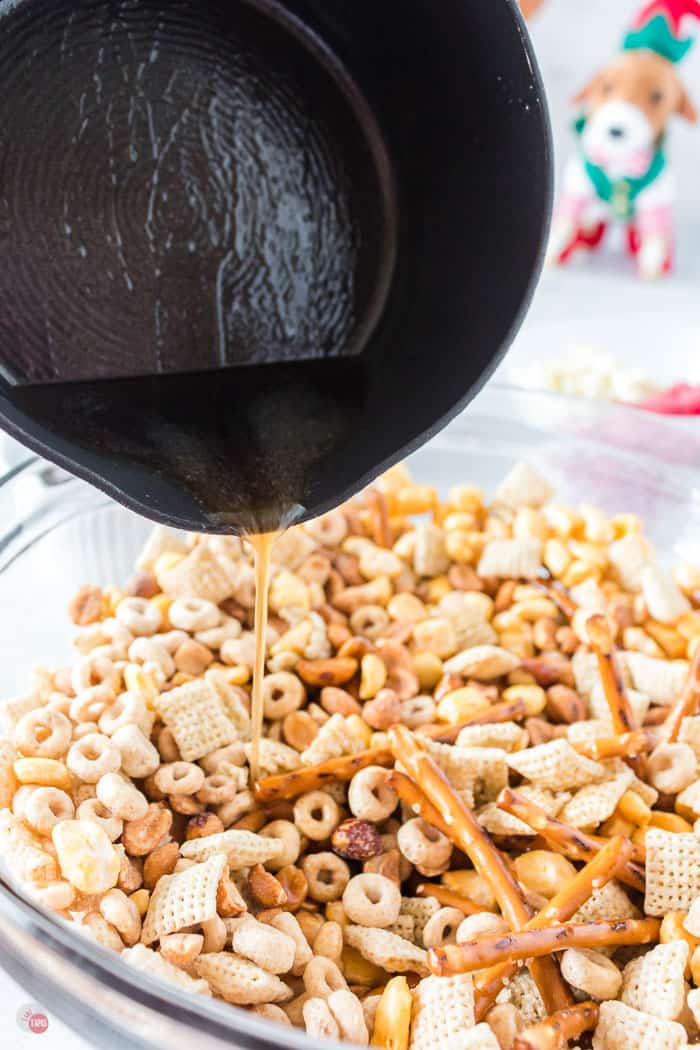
(57, 533)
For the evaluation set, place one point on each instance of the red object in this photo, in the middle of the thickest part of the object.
(634, 244)
(38, 1024)
(679, 400)
(589, 239)
(673, 10)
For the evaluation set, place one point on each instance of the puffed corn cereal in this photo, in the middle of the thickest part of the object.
(127, 807)
(87, 858)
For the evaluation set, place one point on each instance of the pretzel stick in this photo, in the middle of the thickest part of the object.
(555, 1032)
(534, 943)
(309, 778)
(577, 845)
(687, 703)
(626, 745)
(603, 647)
(656, 716)
(409, 792)
(506, 711)
(604, 866)
(448, 898)
(623, 719)
(560, 598)
(471, 838)
(464, 831)
(380, 514)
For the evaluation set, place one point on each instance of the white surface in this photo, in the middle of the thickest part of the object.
(14, 1001)
(601, 302)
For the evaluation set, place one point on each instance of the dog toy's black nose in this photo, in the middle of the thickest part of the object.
(616, 133)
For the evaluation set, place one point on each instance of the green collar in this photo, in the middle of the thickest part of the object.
(621, 193)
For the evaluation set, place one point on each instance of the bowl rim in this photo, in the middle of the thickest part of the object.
(140, 987)
(104, 965)
(491, 388)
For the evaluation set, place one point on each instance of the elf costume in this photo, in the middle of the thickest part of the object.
(657, 27)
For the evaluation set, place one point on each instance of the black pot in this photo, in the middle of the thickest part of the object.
(320, 220)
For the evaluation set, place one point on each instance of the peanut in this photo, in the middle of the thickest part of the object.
(334, 671)
(267, 890)
(86, 607)
(161, 862)
(140, 837)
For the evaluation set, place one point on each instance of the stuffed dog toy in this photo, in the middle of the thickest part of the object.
(529, 7)
(621, 171)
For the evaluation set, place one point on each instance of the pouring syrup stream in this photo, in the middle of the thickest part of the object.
(262, 548)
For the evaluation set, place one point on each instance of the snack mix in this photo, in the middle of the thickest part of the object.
(478, 819)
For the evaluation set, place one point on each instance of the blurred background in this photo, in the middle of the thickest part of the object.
(596, 313)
